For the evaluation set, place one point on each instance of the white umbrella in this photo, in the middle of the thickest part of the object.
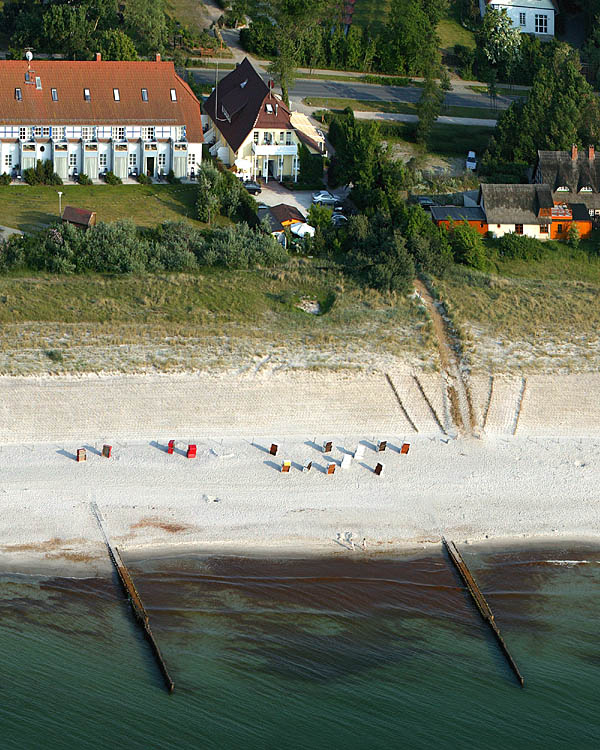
(243, 164)
(301, 230)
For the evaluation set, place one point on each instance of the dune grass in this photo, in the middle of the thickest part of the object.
(240, 314)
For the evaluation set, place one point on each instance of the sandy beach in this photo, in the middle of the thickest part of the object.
(529, 470)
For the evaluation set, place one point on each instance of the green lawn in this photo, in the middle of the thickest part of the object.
(405, 108)
(451, 32)
(29, 208)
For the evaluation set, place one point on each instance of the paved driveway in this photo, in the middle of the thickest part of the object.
(274, 193)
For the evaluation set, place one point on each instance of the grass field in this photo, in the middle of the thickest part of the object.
(451, 32)
(404, 108)
(534, 315)
(30, 208)
(214, 318)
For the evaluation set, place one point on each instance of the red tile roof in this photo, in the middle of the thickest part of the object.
(70, 78)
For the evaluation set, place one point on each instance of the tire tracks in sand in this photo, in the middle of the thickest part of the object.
(461, 406)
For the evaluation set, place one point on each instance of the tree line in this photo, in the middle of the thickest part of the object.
(79, 28)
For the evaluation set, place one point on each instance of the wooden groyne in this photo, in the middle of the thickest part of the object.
(135, 600)
(480, 602)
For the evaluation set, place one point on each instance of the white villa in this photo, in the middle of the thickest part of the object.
(252, 130)
(530, 16)
(98, 116)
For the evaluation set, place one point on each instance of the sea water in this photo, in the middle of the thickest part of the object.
(344, 652)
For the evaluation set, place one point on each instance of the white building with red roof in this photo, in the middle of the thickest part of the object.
(93, 117)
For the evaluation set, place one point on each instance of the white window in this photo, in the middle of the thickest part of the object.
(173, 95)
(162, 160)
(586, 189)
(72, 160)
(8, 160)
(148, 134)
(522, 19)
(563, 189)
(46, 132)
(58, 132)
(281, 136)
(541, 23)
(37, 132)
(102, 161)
(18, 95)
(23, 133)
(288, 139)
(191, 160)
(256, 135)
(86, 95)
(54, 95)
(87, 133)
(132, 160)
(118, 134)
(116, 95)
(180, 132)
(144, 95)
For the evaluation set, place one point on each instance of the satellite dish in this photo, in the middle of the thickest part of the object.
(29, 55)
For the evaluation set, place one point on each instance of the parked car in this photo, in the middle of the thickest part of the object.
(424, 201)
(252, 187)
(471, 162)
(338, 219)
(325, 198)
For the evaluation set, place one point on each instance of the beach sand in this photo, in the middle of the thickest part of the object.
(529, 471)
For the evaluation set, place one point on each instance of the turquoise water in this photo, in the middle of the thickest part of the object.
(336, 653)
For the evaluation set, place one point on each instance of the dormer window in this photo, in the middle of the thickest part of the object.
(116, 95)
(563, 189)
(144, 95)
(269, 108)
(173, 95)
(54, 95)
(86, 95)
(18, 95)
(586, 189)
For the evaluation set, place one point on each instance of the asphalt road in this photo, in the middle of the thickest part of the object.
(370, 92)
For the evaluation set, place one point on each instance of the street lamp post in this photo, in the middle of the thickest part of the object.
(59, 202)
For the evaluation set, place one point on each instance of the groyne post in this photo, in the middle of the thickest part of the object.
(480, 602)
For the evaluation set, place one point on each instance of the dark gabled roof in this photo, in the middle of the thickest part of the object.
(242, 98)
(78, 215)
(457, 213)
(580, 212)
(276, 215)
(559, 169)
(515, 204)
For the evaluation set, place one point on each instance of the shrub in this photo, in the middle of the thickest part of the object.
(143, 179)
(520, 247)
(573, 237)
(5, 178)
(171, 179)
(111, 179)
(467, 246)
(42, 174)
(83, 179)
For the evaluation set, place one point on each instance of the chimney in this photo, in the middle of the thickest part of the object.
(591, 153)
(158, 57)
(573, 152)
(98, 57)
